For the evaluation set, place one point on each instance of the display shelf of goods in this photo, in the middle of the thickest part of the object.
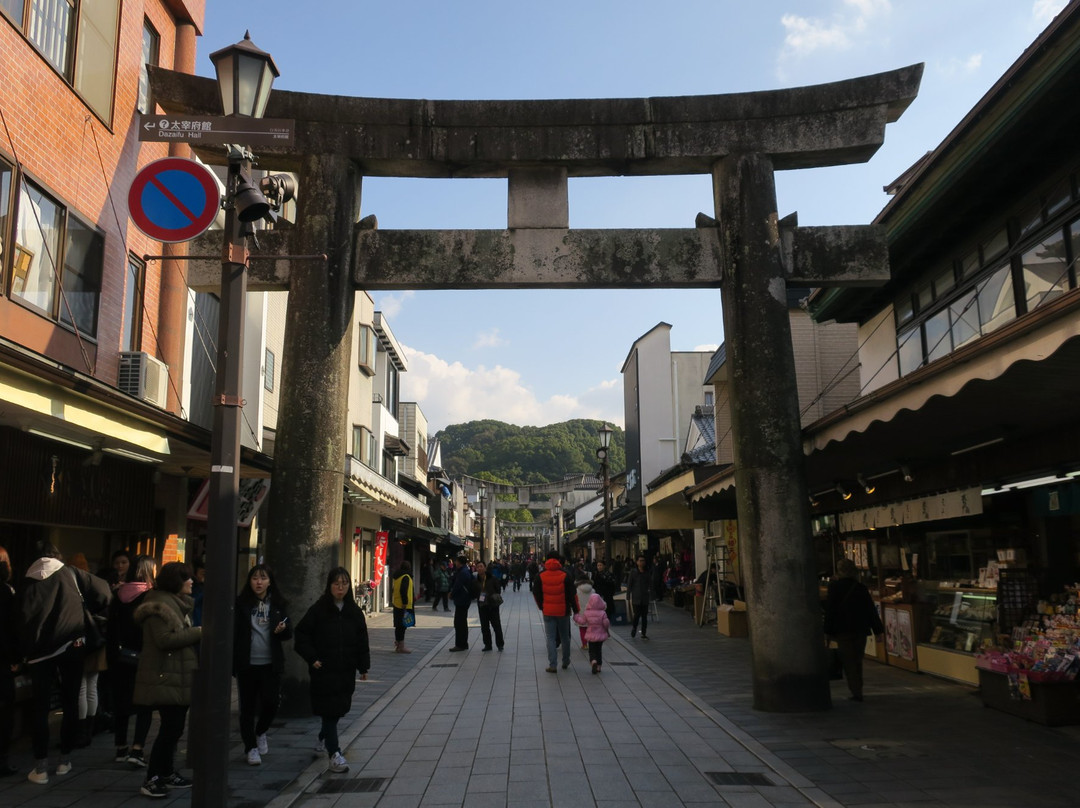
(963, 619)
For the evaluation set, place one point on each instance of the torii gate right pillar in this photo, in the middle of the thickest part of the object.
(775, 547)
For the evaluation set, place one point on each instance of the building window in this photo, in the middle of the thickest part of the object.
(151, 44)
(364, 447)
(995, 282)
(708, 398)
(5, 214)
(390, 388)
(131, 337)
(366, 350)
(269, 368)
(78, 38)
(52, 245)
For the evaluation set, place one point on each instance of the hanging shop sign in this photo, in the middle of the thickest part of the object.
(966, 502)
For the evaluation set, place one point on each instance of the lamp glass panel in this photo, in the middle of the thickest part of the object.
(226, 79)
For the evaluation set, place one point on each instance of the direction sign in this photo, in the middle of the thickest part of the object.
(174, 199)
(216, 129)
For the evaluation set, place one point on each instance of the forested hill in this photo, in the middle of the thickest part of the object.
(527, 454)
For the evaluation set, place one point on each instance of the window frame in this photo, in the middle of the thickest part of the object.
(367, 349)
(144, 101)
(81, 65)
(56, 312)
(1041, 219)
(269, 369)
(132, 317)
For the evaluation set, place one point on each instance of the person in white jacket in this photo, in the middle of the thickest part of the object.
(53, 638)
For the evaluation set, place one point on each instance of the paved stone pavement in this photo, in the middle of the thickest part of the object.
(669, 722)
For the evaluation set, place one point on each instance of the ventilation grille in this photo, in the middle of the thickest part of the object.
(739, 779)
(357, 785)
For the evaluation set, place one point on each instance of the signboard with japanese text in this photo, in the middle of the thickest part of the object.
(216, 129)
(381, 539)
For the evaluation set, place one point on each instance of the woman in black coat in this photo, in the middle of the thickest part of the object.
(9, 658)
(262, 624)
(333, 640)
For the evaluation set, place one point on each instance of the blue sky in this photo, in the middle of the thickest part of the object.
(537, 357)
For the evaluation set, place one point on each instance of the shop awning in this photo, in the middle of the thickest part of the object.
(369, 490)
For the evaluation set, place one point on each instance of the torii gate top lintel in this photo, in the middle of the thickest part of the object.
(819, 125)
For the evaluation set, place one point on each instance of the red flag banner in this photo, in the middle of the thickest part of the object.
(381, 539)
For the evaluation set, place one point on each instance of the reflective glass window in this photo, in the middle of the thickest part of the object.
(37, 248)
(84, 250)
(938, 341)
(996, 302)
(964, 315)
(910, 351)
(1045, 271)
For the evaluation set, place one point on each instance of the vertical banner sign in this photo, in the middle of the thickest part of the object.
(381, 539)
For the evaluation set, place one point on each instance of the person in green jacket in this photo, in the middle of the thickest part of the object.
(166, 671)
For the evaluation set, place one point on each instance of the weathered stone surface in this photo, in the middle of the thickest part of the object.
(856, 255)
(775, 546)
(567, 259)
(826, 124)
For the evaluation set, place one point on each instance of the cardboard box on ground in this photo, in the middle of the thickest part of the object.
(731, 619)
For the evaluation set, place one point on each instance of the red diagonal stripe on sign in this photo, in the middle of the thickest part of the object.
(157, 183)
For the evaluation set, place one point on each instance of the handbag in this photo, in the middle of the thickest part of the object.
(408, 618)
(93, 625)
(495, 599)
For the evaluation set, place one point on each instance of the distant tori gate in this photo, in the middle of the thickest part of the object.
(739, 139)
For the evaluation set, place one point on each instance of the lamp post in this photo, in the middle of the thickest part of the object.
(602, 453)
(558, 525)
(245, 76)
(481, 495)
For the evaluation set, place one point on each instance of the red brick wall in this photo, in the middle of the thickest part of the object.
(88, 164)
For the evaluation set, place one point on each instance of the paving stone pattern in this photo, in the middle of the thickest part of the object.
(669, 722)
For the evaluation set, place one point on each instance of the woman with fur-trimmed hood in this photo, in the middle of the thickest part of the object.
(167, 665)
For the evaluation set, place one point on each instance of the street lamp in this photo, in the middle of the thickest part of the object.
(481, 495)
(245, 77)
(605, 442)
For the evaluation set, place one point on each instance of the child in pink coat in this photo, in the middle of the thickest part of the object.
(595, 621)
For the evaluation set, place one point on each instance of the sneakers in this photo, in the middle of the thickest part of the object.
(254, 758)
(176, 780)
(566, 664)
(595, 668)
(154, 788)
(550, 669)
(121, 754)
(338, 763)
(63, 767)
(39, 776)
(135, 758)
(261, 744)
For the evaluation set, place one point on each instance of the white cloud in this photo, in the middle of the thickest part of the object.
(391, 304)
(490, 340)
(450, 393)
(957, 67)
(806, 36)
(710, 348)
(1045, 10)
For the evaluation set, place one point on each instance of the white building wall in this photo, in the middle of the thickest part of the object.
(276, 310)
(361, 386)
(688, 369)
(656, 404)
(877, 354)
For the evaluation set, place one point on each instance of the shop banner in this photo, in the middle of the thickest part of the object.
(967, 502)
(381, 538)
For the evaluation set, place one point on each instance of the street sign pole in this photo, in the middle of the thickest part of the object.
(211, 783)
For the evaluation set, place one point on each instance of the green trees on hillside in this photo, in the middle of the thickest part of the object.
(523, 455)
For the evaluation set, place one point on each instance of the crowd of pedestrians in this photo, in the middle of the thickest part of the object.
(131, 634)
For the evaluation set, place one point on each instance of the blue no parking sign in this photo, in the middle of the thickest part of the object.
(173, 199)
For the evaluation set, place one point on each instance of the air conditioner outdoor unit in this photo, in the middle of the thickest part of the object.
(144, 376)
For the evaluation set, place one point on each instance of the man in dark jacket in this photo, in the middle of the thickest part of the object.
(850, 616)
(461, 592)
(52, 637)
(556, 597)
(638, 596)
(604, 585)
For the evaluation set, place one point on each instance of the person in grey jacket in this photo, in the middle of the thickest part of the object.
(638, 595)
(52, 638)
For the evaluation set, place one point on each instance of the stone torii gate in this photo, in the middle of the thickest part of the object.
(740, 140)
